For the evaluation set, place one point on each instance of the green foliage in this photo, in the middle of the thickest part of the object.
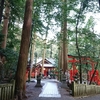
(11, 59)
(14, 37)
(90, 5)
(85, 4)
(17, 10)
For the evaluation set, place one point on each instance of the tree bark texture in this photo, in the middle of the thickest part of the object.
(24, 49)
(43, 59)
(61, 55)
(65, 48)
(60, 60)
(32, 49)
(5, 25)
(64, 36)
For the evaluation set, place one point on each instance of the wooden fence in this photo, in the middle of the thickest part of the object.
(7, 91)
(84, 89)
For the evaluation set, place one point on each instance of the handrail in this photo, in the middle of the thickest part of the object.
(7, 91)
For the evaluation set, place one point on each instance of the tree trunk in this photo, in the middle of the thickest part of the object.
(44, 49)
(32, 49)
(23, 55)
(61, 55)
(1, 9)
(5, 25)
(51, 51)
(60, 60)
(64, 36)
(77, 46)
(65, 48)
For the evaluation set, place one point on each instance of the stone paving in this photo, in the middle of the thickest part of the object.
(51, 90)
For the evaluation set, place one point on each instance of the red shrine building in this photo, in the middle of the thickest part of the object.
(48, 66)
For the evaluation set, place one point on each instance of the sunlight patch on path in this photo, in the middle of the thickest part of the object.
(50, 89)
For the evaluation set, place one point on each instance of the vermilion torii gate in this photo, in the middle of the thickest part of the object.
(84, 60)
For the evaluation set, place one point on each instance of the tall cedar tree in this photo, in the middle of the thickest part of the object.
(23, 55)
(5, 25)
(64, 32)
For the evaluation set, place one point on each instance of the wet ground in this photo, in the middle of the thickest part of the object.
(51, 90)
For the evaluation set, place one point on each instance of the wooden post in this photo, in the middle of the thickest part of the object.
(73, 88)
(13, 89)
